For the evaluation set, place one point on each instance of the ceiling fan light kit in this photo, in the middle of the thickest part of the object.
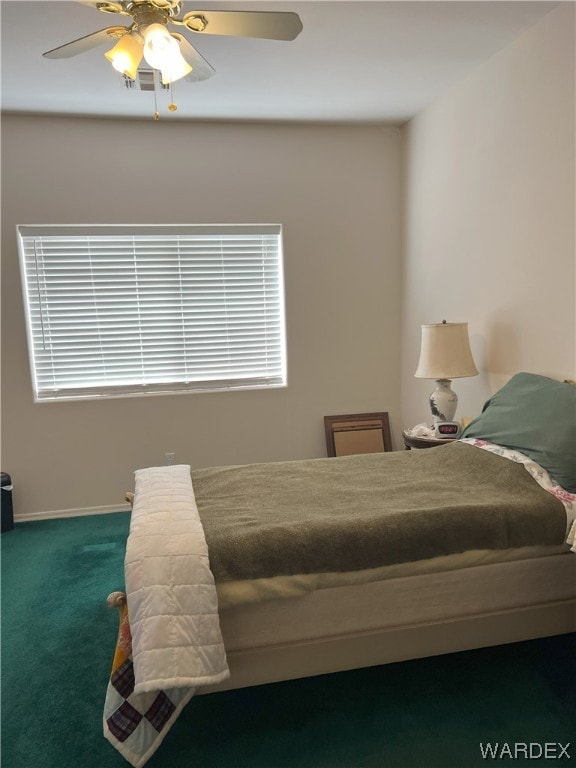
(175, 69)
(172, 54)
(158, 45)
(162, 52)
(126, 55)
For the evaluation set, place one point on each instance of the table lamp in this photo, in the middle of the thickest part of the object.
(444, 355)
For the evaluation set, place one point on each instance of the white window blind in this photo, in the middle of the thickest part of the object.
(122, 310)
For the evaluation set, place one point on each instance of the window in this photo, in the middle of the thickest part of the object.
(121, 310)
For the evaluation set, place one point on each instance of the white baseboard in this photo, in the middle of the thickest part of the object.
(81, 512)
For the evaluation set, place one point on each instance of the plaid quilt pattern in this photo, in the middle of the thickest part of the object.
(137, 724)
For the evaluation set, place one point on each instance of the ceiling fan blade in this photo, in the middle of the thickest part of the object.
(92, 3)
(85, 43)
(272, 25)
(201, 70)
(108, 7)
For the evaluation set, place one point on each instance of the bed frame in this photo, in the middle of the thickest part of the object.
(343, 628)
(289, 661)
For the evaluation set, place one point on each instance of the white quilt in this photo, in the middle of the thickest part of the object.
(173, 615)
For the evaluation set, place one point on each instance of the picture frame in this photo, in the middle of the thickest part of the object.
(355, 433)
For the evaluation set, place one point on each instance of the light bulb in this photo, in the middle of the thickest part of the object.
(174, 69)
(158, 45)
(126, 55)
(121, 62)
(162, 51)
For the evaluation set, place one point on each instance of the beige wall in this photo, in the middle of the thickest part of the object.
(490, 217)
(488, 238)
(336, 190)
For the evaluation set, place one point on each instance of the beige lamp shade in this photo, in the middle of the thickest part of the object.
(126, 55)
(445, 352)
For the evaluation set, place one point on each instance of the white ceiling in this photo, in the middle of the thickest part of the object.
(353, 61)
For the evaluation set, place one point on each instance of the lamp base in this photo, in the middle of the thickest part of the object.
(443, 401)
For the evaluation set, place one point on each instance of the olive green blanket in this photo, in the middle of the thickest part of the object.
(366, 511)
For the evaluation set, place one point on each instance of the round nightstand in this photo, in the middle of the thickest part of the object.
(410, 441)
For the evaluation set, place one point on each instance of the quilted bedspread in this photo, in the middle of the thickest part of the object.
(175, 644)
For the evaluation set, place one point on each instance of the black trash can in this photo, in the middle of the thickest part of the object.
(7, 512)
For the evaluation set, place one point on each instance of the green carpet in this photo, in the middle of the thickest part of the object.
(57, 645)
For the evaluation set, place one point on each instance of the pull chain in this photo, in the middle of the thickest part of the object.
(172, 107)
(156, 113)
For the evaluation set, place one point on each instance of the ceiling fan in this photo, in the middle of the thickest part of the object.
(149, 36)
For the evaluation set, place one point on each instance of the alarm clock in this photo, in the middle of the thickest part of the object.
(447, 429)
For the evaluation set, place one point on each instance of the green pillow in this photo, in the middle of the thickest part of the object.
(537, 416)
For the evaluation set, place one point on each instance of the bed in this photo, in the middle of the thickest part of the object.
(317, 566)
